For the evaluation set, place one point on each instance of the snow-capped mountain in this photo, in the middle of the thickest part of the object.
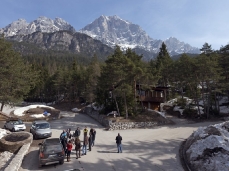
(110, 30)
(42, 24)
(113, 31)
(116, 31)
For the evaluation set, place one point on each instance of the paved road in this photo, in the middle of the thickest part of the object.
(143, 149)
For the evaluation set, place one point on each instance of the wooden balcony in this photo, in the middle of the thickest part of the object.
(151, 99)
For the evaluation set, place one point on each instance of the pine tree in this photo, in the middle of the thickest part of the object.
(163, 63)
(16, 77)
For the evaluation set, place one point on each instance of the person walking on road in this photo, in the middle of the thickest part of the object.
(63, 140)
(90, 141)
(77, 147)
(69, 149)
(85, 131)
(93, 137)
(85, 143)
(77, 132)
(119, 143)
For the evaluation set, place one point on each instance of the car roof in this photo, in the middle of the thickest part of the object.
(52, 141)
(40, 121)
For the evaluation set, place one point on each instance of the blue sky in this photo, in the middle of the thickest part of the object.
(191, 21)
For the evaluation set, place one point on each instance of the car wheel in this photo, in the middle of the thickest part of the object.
(4, 127)
(61, 161)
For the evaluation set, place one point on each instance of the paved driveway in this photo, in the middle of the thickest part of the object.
(143, 149)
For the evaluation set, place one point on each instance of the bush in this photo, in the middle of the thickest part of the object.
(181, 102)
(189, 113)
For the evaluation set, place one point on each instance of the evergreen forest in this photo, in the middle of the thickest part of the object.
(111, 82)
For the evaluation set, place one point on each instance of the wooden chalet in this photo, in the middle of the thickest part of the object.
(152, 97)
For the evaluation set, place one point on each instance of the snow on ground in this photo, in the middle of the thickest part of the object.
(209, 148)
(93, 105)
(75, 109)
(2, 132)
(160, 113)
(224, 109)
(5, 157)
(20, 111)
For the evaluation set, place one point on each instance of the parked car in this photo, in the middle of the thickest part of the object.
(41, 129)
(15, 125)
(51, 151)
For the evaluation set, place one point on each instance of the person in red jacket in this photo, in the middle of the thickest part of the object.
(69, 149)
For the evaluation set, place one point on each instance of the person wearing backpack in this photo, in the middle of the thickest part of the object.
(63, 140)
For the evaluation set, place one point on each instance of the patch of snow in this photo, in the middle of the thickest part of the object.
(160, 113)
(20, 111)
(5, 157)
(224, 109)
(37, 115)
(2, 132)
(178, 109)
(93, 105)
(75, 109)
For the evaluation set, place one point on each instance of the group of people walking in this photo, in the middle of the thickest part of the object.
(68, 140)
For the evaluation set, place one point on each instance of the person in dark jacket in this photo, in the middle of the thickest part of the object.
(119, 143)
(77, 132)
(90, 141)
(85, 144)
(93, 137)
(63, 140)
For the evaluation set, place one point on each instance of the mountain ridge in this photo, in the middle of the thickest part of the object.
(110, 30)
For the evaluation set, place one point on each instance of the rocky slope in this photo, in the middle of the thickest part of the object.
(77, 43)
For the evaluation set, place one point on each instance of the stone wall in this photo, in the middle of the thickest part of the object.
(15, 163)
(117, 125)
(95, 114)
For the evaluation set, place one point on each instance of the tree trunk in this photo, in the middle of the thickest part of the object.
(140, 98)
(116, 103)
(2, 105)
(126, 105)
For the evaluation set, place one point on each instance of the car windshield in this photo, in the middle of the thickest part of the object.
(55, 148)
(42, 125)
(17, 122)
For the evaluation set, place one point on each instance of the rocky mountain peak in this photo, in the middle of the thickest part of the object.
(14, 28)
(42, 24)
(112, 30)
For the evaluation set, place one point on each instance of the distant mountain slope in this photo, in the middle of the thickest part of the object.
(113, 31)
(77, 43)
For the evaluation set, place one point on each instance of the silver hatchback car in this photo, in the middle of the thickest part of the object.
(41, 129)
